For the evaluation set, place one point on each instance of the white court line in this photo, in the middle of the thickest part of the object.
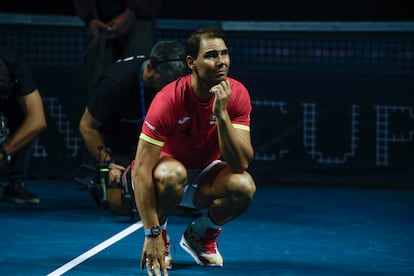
(127, 231)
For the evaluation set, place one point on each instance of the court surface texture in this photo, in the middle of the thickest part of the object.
(286, 231)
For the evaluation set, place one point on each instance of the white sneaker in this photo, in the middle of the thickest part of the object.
(203, 249)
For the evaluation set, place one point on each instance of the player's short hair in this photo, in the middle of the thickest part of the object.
(193, 41)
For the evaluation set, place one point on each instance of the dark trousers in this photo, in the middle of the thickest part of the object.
(15, 170)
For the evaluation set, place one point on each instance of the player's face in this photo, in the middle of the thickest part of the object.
(213, 60)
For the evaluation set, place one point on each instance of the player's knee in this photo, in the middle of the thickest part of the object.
(244, 185)
(171, 178)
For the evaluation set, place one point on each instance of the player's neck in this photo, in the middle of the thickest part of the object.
(201, 90)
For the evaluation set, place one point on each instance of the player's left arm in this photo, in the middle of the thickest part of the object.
(236, 147)
(234, 139)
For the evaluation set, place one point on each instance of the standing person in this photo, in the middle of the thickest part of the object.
(23, 118)
(113, 115)
(194, 150)
(115, 29)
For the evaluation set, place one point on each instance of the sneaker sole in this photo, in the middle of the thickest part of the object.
(187, 248)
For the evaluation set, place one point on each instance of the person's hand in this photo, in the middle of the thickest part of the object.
(120, 25)
(222, 92)
(153, 256)
(115, 172)
(96, 26)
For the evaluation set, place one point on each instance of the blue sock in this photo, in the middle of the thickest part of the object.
(202, 223)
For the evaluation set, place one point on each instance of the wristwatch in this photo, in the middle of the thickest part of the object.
(154, 231)
(3, 151)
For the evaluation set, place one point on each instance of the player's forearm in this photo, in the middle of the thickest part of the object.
(145, 199)
(146, 158)
(236, 151)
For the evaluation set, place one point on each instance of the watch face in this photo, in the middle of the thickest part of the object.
(156, 230)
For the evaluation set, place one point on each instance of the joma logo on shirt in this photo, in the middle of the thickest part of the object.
(149, 125)
(183, 120)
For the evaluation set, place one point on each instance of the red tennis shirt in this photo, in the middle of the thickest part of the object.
(186, 128)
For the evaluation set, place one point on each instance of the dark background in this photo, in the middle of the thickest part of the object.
(292, 10)
(325, 72)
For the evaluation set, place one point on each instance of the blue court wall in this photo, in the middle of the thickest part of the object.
(332, 101)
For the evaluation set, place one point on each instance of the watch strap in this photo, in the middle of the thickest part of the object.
(153, 231)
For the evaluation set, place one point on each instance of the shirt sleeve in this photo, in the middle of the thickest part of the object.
(240, 107)
(158, 123)
(22, 75)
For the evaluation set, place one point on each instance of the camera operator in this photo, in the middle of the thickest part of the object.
(23, 119)
(115, 110)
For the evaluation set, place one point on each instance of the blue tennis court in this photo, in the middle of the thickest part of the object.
(287, 231)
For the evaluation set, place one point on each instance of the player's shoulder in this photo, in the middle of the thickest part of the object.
(237, 85)
(178, 85)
